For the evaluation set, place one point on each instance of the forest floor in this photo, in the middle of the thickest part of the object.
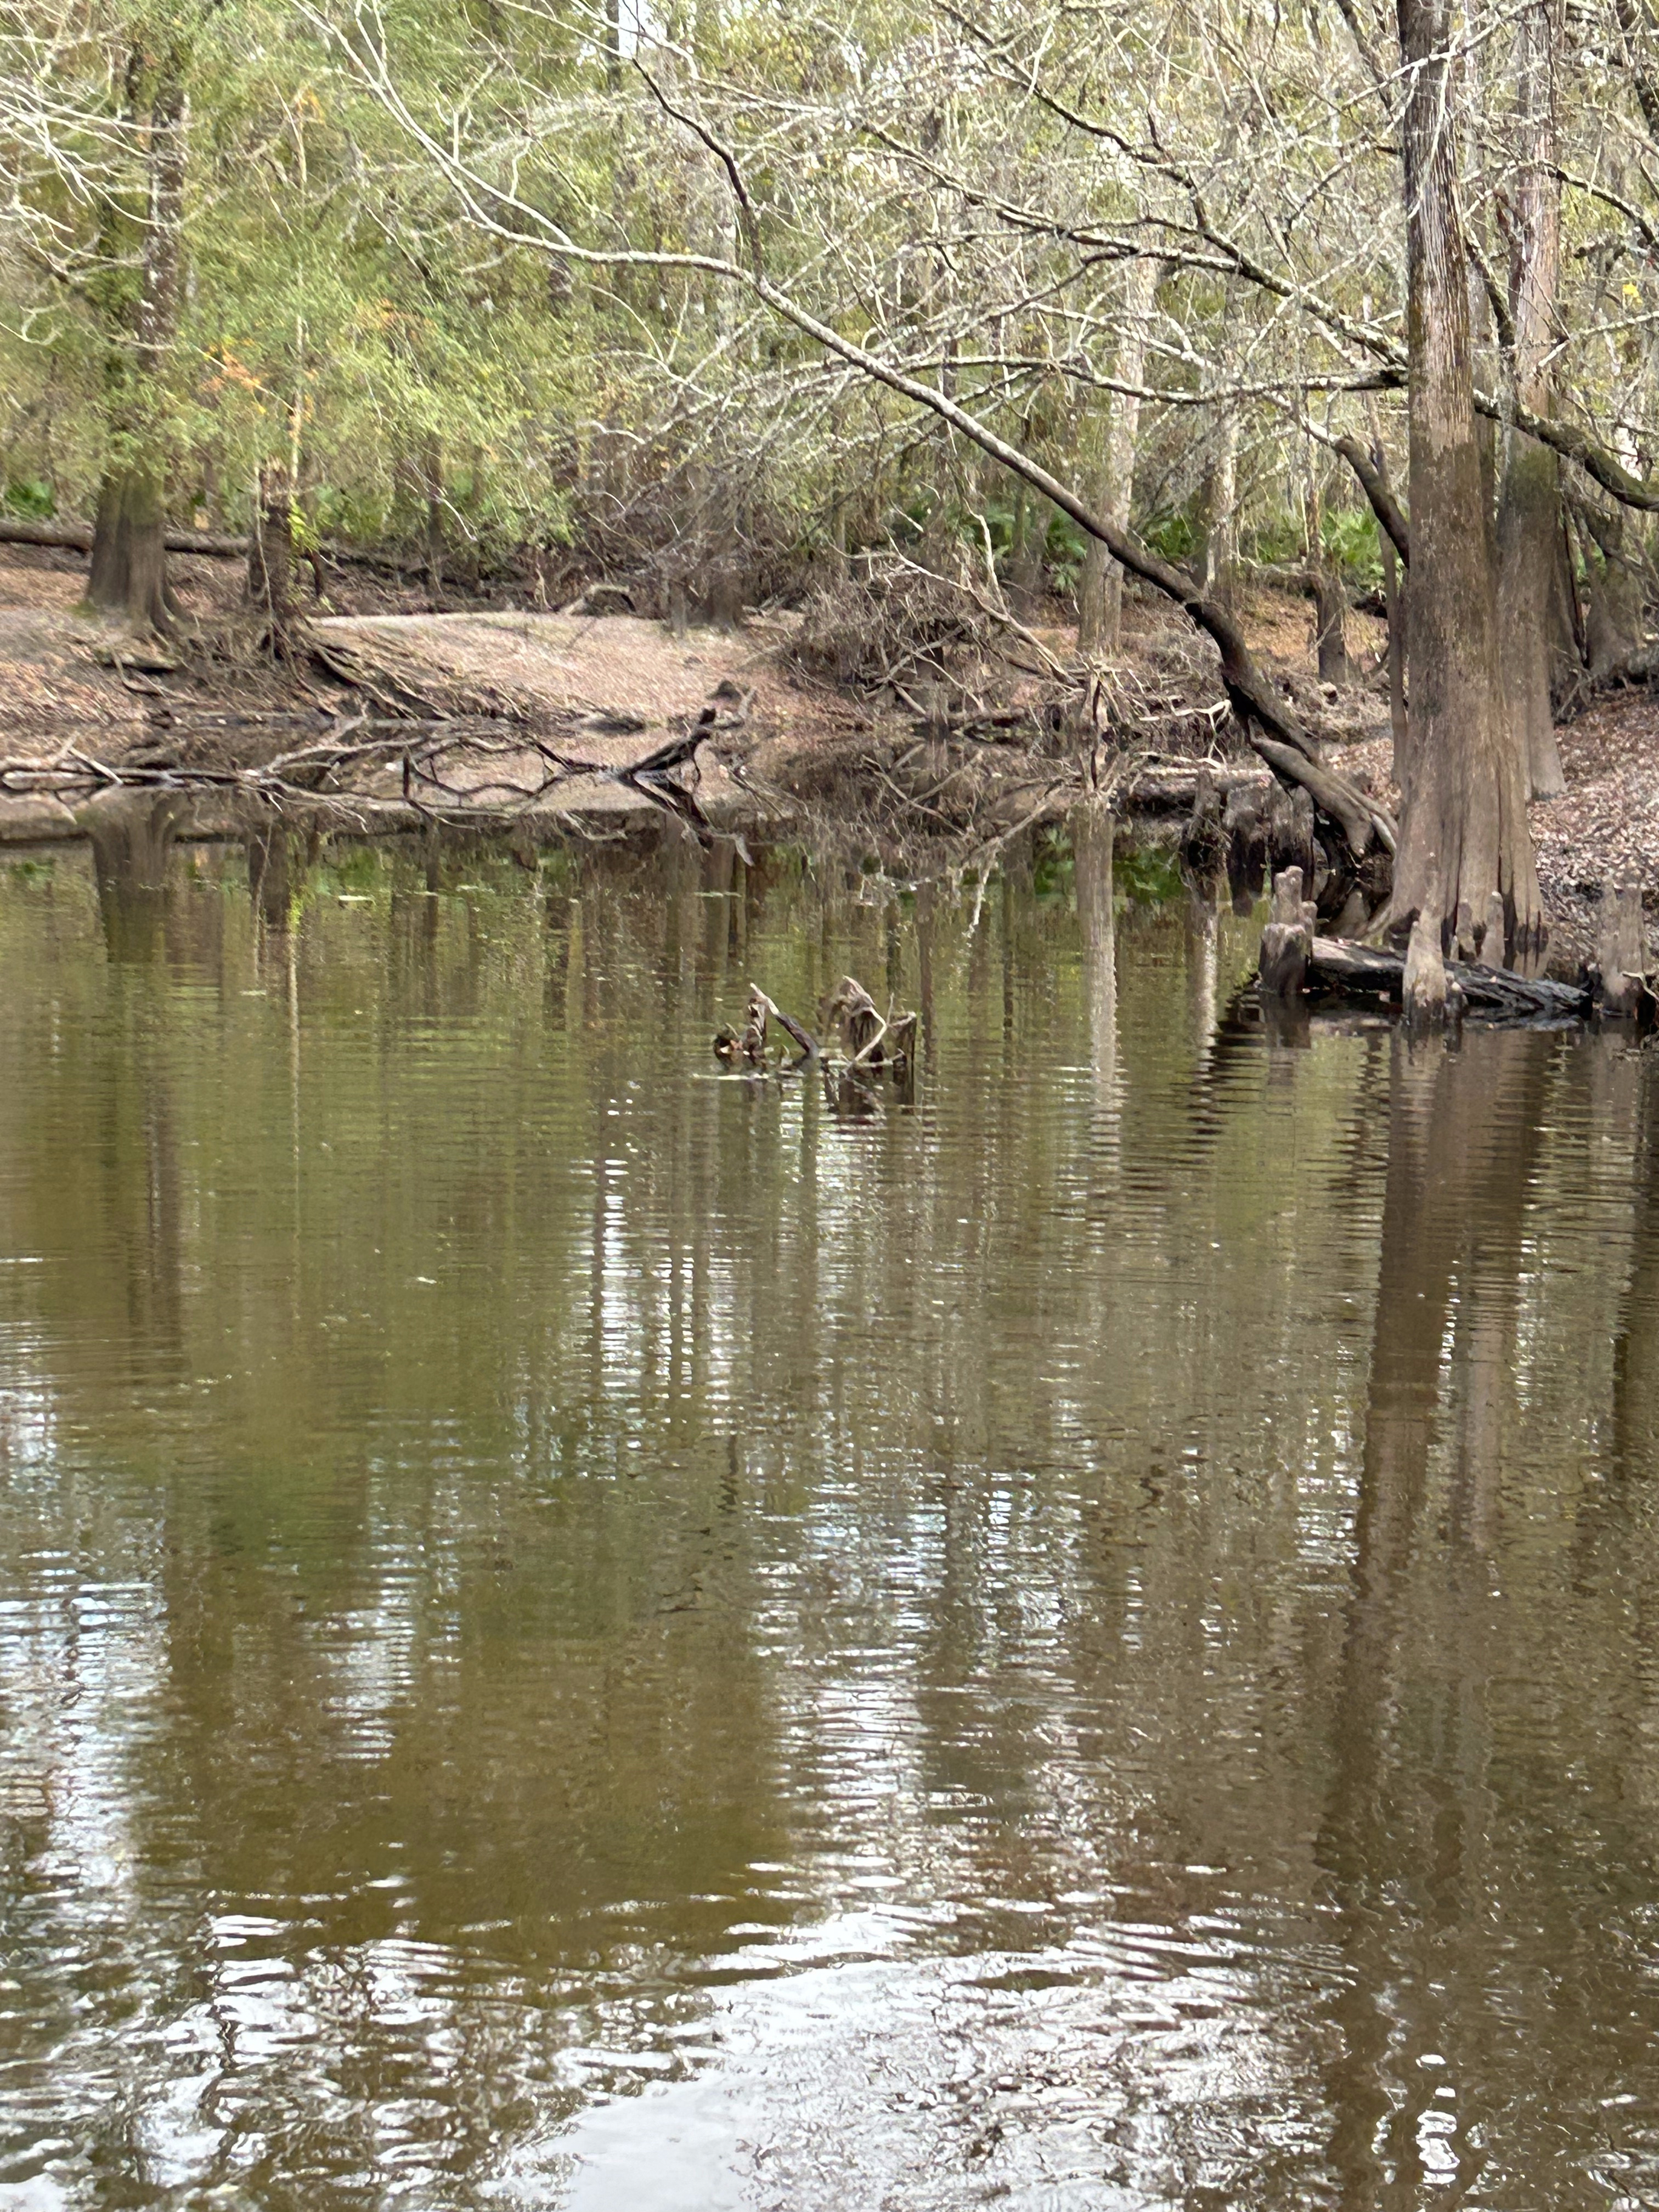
(792, 748)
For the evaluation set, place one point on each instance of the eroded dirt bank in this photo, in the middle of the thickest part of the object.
(780, 747)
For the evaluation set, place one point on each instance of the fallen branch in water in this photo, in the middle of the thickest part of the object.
(750, 1043)
(873, 1044)
(437, 764)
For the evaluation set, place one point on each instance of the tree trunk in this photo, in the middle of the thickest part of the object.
(1330, 599)
(1528, 528)
(128, 576)
(1464, 840)
(1330, 615)
(1217, 562)
(1027, 567)
(1613, 620)
(432, 485)
(129, 554)
(1100, 588)
(1529, 516)
(1393, 541)
(270, 551)
(1393, 599)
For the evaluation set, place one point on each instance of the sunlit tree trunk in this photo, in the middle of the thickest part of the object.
(1100, 588)
(1530, 513)
(1465, 868)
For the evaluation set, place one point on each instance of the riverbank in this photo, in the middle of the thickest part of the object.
(785, 748)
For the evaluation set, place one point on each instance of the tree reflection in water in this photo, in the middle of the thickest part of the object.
(1086, 1635)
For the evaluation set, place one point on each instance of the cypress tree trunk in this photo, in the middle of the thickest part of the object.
(1100, 587)
(270, 552)
(1465, 871)
(1612, 619)
(129, 555)
(1529, 517)
(128, 575)
(1394, 596)
(1331, 609)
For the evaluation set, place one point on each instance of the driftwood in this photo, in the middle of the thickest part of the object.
(862, 1028)
(873, 1046)
(748, 1044)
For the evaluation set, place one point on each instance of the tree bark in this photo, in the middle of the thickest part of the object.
(1373, 475)
(1394, 597)
(1027, 564)
(1100, 589)
(1331, 609)
(1528, 517)
(1217, 564)
(270, 551)
(1464, 839)
(1330, 599)
(128, 575)
(1612, 619)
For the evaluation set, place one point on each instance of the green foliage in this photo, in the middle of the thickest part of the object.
(1172, 537)
(355, 869)
(30, 496)
(1149, 874)
(1064, 551)
(1054, 866)
(1279, 538)
(1351, 538)
(1063, 546)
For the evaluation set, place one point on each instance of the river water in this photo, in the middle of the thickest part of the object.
(578, 1631)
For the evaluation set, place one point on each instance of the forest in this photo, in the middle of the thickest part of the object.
(745, 307)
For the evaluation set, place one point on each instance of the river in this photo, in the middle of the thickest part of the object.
(576, 1631)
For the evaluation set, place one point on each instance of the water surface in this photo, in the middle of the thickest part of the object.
(574, 1632)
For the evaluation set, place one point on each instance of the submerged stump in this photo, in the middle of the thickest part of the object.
(1288, 940)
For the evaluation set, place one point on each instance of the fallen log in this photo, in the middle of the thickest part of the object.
(76, 537)
(1338, 968)
(1161, 787)
(217, 544)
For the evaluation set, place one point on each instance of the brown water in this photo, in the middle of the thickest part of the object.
(576, 1633)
